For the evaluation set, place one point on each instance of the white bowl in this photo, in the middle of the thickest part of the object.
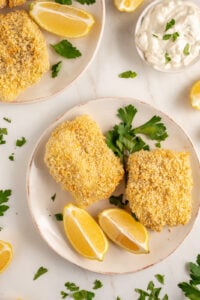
(141, 53)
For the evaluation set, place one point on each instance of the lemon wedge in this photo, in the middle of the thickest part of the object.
(127, 5)
(83, 232)
(62, 20)
(195, 95)
(6, 254)
(124, 230)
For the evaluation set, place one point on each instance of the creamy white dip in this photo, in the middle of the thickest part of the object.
(168, 35)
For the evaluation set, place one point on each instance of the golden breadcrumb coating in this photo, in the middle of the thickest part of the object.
(13, 3)
(23, 54)
(3, 3)
(159, 187)
(78, 157)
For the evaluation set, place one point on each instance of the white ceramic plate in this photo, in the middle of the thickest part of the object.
(71, 68)
(41, 187)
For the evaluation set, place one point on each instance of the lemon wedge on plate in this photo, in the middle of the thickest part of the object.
(124, 230)
(195, 95)
(127, 5)
(83, 232)
(62, 20)
(6, 254)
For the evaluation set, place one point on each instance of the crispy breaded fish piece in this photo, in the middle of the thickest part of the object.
(78, 158)
(13, 3)
(3, 3)
(23, 54)
(159, 187)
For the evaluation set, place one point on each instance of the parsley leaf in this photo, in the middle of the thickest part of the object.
(160, 278)
(97, 284)
(53, 197)
(83, 295)
(190, 289)
(66, 49)
(55, 69)
(175, 35)
(20, 142)
(71, 286)
(170, 24)
(40, 272)
(7, 120)
(88, 2)
(127, 74)
(3, 131)
(167, 36)
(66, 2)
(11, 157)
(186, 49)
(63, 294)
(118, 201)
(4, 197)
(167, 58)
(153, 129)
(59, 216)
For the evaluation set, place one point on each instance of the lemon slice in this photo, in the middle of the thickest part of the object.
(6, 255)
(62, 20)
(195, 95)
(127, 5)
(83, 232)
(124, 230)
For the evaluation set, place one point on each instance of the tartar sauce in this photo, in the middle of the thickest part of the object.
(168, 35)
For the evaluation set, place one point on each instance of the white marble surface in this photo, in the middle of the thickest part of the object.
(168, 92)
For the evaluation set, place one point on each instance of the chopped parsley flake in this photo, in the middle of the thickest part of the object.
(3, 131)
(53, 197)
(186, 49)
(40, 272)
(170, 24)
(175, 35)
(160, 278)
(88, 2)
(167, 37)
(167, 58)
(11, 157)
(155, 35)
(66, 2)
(20, 142)
(127, 74)
(97, 284)
(59, 216)
(55, 69)
(7, 120)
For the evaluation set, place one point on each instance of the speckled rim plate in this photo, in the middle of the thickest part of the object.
(41, 186)
(71, 68)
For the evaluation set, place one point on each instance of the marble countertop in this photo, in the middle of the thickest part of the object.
(167, 92)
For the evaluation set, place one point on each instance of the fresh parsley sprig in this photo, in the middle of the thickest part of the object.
(118, 201)
(4, 198)
(152, 292)
(74, 291)
(123, 139)
(190, 289)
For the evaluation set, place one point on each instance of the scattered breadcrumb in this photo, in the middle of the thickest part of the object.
(23, 54)
(78, 157)
(159, 187)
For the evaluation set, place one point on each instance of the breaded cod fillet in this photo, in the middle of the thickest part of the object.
(23, 54)
(159, 187)
(78, 158)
